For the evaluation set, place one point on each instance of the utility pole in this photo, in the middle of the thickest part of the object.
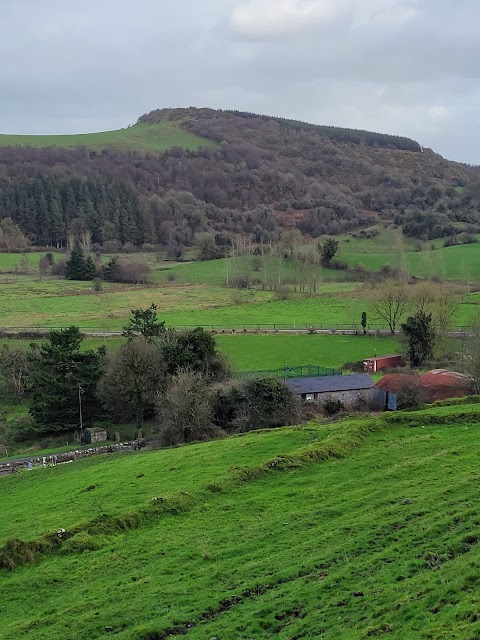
(80, 394)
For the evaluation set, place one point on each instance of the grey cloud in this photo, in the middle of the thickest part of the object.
(407, 66)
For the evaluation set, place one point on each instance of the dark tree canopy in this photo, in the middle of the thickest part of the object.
(145, 323)
(421, 338)
(79, 267)
(58, 370)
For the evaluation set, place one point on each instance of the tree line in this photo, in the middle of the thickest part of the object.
(177, 380)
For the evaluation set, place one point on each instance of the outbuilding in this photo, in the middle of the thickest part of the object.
(93, 435)
(372, 365)
(346, 389)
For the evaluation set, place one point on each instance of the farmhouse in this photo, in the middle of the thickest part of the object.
(347, 389)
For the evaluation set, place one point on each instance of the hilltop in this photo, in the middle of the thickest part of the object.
(178, 173)
(342, 531)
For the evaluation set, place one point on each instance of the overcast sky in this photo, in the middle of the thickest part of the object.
(409, 67)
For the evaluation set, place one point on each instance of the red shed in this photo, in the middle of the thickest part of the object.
(372, 365)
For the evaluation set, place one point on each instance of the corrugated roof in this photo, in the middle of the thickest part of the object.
(330, 384)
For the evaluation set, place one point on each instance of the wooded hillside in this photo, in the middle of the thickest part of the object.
(263, 174)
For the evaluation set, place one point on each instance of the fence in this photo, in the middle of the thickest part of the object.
(302, 371)
(240, 328)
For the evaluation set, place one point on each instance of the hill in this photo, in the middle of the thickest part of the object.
(253, 174)
(140, 137)
(341, 531)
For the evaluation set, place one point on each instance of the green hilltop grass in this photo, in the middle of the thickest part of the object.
(364, 528)
(140, 137)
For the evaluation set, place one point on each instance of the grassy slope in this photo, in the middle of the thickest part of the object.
(453, 263)
(377, 543)
(140, 137)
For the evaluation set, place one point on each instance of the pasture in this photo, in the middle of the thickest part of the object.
(460, 263)
(352, 533)
(139, 137)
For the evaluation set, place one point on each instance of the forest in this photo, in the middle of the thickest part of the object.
(264, 175)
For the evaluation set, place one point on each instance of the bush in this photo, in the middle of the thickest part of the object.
(59, 268)
(412, 395)
(283, 293)
(259, 403)
(331, 406)
(127, 271)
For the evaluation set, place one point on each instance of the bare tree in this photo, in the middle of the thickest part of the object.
(85, 241)
(184, 411)
(392, 303)
(14, 371)
(471, 355)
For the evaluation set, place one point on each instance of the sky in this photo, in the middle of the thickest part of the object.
(407, 67)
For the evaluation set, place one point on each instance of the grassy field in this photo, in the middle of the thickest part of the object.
(452, 263)
(355, 534)
(257, 352)
(140, 137)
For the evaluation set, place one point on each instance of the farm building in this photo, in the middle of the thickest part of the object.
(438, 384)
(372, 365)
(347, 389)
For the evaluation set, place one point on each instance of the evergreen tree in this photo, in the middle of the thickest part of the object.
(59, 371)
(78, 267)
(421, 338)
(144, 323)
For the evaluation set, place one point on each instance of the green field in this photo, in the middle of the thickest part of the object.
(354, 534)
(451, 263)
(140, 137)
(257, 352)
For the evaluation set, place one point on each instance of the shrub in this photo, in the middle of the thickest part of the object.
(331, 406)
(283, 293)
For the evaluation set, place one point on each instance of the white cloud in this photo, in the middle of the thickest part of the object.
(279, 18)
(260, 18)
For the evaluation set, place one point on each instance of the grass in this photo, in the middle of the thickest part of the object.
(451, 263)
(373, 541)
(140, 137)
(257, 352)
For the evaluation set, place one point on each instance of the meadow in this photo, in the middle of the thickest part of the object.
(340, 531)
(460, 262)
(139, 137)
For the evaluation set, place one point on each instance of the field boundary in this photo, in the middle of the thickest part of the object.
(343, 329)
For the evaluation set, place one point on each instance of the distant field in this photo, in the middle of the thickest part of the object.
(451, 263)
(354, 534)
(257, 352)
(44, 302)
(140, 137)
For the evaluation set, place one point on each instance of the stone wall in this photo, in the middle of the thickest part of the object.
(348, 398)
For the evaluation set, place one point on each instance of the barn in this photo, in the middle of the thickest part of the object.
(346, 389)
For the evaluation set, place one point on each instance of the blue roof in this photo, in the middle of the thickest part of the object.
(330, 384)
